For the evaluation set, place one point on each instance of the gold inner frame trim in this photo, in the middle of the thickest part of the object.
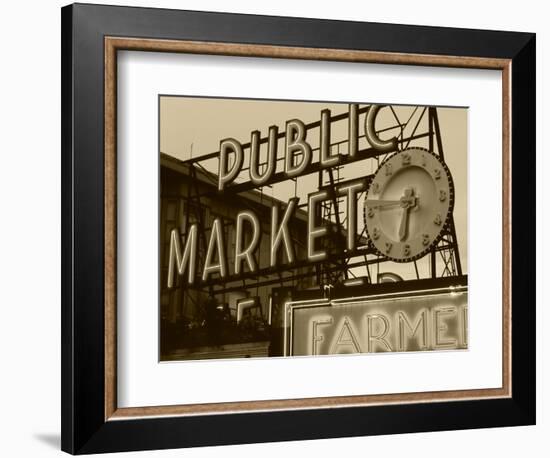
(114, 44)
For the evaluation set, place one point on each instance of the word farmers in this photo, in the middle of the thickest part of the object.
(420, 321)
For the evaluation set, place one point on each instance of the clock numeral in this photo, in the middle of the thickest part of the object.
(389, 169)
(442, 195)
(376, 233)
(406, 250)
(370, 212)
(424, 161)
(388, 247)
(437, 174)
(437, 220)
(425, 239)
(376, 188)
(406, 159)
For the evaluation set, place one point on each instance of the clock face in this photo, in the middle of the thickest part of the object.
(408, 204)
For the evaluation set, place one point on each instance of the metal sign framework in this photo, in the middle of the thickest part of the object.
(338, 267)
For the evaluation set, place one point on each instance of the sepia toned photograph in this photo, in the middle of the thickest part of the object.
(298, 228)
(272, 221)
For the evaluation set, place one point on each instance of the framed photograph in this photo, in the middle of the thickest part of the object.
(283, 228)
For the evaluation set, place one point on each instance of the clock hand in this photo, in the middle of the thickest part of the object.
(404, 223)
(374, 203)
(408, 200)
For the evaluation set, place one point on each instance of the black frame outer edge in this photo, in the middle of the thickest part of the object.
(67, 413)
(524, 240)
(83, 427)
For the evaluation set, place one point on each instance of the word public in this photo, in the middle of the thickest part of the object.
(297, 158)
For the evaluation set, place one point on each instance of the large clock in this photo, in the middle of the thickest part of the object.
(408, 204)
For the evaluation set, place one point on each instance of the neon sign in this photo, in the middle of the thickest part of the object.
(297, 157)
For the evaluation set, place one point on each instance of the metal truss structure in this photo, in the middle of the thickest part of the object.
(341, 265)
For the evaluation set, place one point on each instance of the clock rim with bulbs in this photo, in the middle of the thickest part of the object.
(382, 237)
